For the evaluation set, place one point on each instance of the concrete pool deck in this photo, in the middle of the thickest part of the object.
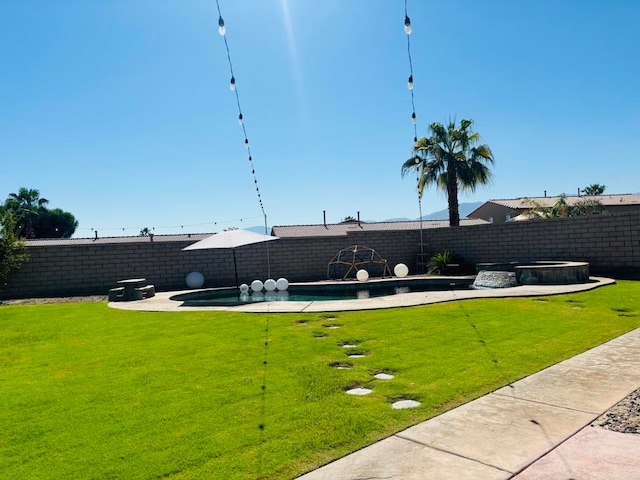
(162, 302)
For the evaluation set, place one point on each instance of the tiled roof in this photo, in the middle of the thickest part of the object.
(43, 242)
(606, 200)
(341, 229)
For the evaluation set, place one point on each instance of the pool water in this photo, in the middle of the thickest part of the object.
(322, 292)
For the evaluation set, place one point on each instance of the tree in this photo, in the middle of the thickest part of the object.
(145, 232)
(34, 220)
(348, 218)
(25, 207)
(452, 159)
(561, 209)
(54, 223)
(594, 189)
(588, 206)
(12, 254)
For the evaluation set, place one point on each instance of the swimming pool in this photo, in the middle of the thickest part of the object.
(323, 292)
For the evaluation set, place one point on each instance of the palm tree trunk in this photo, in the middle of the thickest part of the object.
(452, 194)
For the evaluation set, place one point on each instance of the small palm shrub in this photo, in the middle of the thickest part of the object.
(438, 263)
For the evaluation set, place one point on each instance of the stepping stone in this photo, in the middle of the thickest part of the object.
(357, 355)
(349, 345)
(359, 391)
(384, 376)
(341, 365)
(405, 404)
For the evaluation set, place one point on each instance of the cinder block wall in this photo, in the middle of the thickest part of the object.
(610, 243)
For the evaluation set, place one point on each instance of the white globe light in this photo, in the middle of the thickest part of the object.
(257, 285)
(401, 270)
(362, 275)
(195, 280)
(282, 284)
(244, 288)
(270, 285)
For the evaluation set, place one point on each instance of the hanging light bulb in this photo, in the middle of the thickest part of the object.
(410, 82)
(415, 139)
(232, 83)
(413, 118)
(407, 25)
(221, 29)
(240, 119)
(246, 142)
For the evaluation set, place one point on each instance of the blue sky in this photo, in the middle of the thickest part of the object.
(120, 111)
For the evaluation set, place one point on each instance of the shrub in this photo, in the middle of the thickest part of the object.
(12, 248)
(438, 263)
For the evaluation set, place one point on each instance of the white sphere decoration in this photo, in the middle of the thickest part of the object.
(195, 280)
(282, 284)
(270, 285)
(401, 270)
(362, 275)
(244, 288)
(257, 285)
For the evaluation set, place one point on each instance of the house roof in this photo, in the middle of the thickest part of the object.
(524, 203)
(343, 229)
(43, 242)
(291, 231)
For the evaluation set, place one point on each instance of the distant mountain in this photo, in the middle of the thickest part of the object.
(464, 209)
(399, 219)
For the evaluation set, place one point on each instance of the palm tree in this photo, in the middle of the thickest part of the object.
(25, 205)
(594, 189)
(451, 159)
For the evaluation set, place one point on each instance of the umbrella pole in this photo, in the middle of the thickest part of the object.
(235, 269)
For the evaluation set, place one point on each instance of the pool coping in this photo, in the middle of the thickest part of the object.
(162, 302)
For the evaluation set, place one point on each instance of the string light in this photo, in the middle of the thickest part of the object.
(407, 25)
(408, 30)
(171, 227)
(232, 86)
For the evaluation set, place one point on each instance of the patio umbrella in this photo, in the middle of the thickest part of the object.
(231, 239)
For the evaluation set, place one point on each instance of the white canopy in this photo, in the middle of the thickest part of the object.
(230, 239)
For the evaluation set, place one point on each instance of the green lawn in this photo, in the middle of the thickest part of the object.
(92, 392)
